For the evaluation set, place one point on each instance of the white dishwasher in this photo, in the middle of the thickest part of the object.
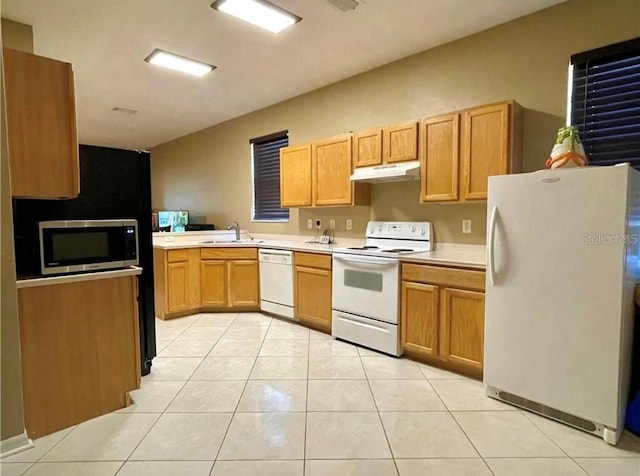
(276, 282)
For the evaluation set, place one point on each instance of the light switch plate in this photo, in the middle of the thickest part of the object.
(310, 224)
(466, 226)
(332, 223)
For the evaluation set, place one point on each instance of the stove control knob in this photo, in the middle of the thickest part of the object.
(423, 231)
(380, 227)
(413, 229)
(371, 230)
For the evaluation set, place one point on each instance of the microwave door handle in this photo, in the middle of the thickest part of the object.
(370, 261)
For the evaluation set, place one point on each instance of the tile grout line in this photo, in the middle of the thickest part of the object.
(469, 439)
(164, 411)
(524, 413)
(306, 409)
(384, 430)
(235, 411)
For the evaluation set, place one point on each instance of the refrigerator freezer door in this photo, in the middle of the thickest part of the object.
(553, 313)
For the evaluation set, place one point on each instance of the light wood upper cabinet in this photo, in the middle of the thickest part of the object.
(244, 283)
(439, 152)
(491, 145)
(367, 148)
(400, 143)
(420, 318)
(214, 290)
(312, 297)
(41, 126)
(295, 176)
(320, 175)
(462, 332)
(331, 161)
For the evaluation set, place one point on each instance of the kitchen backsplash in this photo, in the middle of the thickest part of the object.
(399, 202)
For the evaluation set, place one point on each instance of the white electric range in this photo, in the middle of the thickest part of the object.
(366, 284)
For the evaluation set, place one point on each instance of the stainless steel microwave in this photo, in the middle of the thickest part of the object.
(87, 245)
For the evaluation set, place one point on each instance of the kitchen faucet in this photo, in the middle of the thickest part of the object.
(236, 228)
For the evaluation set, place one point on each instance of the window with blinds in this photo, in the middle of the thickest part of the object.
(265, 156)
(605, 103)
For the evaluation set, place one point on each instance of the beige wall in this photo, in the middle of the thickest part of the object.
(17, 35)
(209, 173)
(12, 421)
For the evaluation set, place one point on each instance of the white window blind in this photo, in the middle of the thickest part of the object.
(265, 153)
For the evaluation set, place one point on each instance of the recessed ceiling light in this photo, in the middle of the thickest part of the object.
(179, 63)
(258, 12)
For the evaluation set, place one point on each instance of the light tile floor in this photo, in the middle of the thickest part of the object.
(245, 394)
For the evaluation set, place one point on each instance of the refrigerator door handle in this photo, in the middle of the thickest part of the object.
(492, 240)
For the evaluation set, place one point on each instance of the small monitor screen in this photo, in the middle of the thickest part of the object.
(173, 220)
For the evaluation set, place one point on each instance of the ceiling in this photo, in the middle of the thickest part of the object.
(107, 41)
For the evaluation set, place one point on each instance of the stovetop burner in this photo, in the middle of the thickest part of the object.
(390, 240)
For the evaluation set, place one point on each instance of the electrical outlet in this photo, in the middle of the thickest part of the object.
(318, 224)
(332, 224)
(349, 224)
(466, 226)
(310, 224)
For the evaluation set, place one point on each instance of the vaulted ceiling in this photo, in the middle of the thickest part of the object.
(107, 41)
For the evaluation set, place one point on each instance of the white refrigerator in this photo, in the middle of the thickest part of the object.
(562, 264)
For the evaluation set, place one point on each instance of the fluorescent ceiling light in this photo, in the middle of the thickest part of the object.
(258, 12)
(179, 63)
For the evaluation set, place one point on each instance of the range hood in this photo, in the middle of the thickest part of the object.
(388, 173)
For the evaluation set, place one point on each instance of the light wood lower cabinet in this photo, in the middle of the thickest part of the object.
(244, 282)
(462, 327)
(214, 287)
(420, 320)
(312, 298)
(178, 284)
(80, 351)
(176, 275)
(230, 278)
(194, 279)
(442, 316)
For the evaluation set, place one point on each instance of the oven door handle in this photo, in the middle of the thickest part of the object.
(371, 261)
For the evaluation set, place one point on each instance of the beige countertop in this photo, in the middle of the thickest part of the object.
(449, 254)
(30, 282)
(452, 254)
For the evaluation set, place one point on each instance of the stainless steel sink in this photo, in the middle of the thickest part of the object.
(219, 242)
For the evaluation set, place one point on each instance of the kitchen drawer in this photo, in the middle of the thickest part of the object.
(313, 260)
(451, 277)
(228, 253)
(175, 256)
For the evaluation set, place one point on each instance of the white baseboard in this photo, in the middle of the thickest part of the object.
(15, 444)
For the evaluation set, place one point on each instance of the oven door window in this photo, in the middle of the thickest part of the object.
(363, 280)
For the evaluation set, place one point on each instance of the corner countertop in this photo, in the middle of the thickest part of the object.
(443, 254)
(30, 282)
